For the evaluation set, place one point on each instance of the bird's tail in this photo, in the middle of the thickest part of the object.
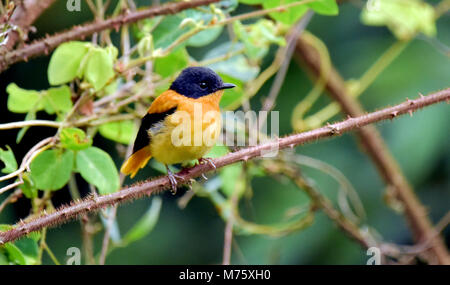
(136, 161)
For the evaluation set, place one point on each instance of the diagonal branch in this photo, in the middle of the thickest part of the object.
(44, 46)
(23, 17)
(157, 185)
(377, 150)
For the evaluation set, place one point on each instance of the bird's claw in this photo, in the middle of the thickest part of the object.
(205, 160)
(173, 180)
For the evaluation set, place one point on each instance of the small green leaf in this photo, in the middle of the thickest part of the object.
(28, 188)
(168, 31)
(325, 7)
(97, 168)
(3, 259)
(58, 100)
(205, 37)
(145, 45)
(122, 132)
(175, 61)
(288, 17)
(237, 66)
(14, 254)
(51, 169)
(66, 61)
(74, 139)
(258, 37)
(145, 224)
(403, 18)
(99, 68)
(7, 156)
(29, 249)
(21, 100)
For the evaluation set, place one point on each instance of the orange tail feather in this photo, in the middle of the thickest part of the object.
(136, 161)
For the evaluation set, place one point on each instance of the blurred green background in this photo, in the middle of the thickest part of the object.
(195, 234)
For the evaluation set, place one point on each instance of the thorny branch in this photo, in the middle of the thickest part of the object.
(46, 45)
(377, 150)
(24, 15)
(157, 185)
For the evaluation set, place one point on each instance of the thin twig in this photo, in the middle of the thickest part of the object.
(157, 185)
(269, 102)
(321, 202)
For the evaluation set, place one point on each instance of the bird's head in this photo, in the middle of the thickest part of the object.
(196, 82)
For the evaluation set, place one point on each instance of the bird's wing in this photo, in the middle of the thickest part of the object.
(163, 106)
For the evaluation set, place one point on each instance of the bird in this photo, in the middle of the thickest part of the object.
(182, 124)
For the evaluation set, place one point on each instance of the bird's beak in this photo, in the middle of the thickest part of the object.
(227, 86)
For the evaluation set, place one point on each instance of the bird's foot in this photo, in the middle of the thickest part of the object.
(173, 180)
(206, 160)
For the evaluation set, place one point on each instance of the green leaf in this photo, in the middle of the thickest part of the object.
(51, 169)
(74, 139)
(97, 168)
(14, 254)
(122, 132)
(21, 100)
(325, 7)
(7, 156)
(403, 18)
(204, 37)
(168, 31)
(227, 6)
(66, 61)
(3, 259)
(58, 100)
(170, 64)
(99, 68)
(237, 66)
(145, 224)
(145, 45)
(290, 16)
(28, 187)
(29, 249)
(145, 27)
(258, 37)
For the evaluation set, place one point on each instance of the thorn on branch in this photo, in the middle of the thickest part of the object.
(334, 130)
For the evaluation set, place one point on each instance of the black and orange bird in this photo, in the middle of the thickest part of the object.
(182, 124)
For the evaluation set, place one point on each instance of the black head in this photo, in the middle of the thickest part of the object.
(195, 82)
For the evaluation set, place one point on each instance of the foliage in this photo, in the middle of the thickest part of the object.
(90, 95)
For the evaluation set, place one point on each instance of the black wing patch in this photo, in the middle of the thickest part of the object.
(149, 120)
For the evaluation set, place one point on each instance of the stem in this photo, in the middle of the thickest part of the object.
(269, 102)
(157, 185)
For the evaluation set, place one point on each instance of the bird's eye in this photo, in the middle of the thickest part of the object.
(203, 85)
